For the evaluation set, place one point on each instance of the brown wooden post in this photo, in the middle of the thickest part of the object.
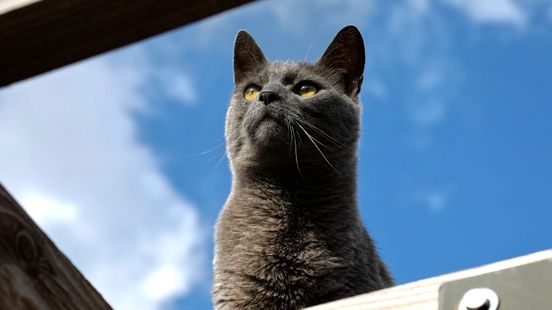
(34, 274)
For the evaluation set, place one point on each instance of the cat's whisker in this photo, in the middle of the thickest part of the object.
(324, 134)
(290, 138)
(320, 142)
(212, 149)
(203, 152)
(296, 155)
(319, 150)
(308, 52)
(295, 119)
(217, 156)
(220, 157)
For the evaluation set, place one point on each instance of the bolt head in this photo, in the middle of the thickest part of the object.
(479, 299)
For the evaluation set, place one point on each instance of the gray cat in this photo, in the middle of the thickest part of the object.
(290, 234)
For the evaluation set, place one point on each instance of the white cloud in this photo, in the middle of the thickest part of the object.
(436, 201)
(422, 6)
(492, 11)
(171, 81)
(431, 78)
(299, 19)
(289, 14)
(432, 105)
(417, 40)
(70, 155)
(375, 88)
(179, 87)
(428, 112)
(47, 210)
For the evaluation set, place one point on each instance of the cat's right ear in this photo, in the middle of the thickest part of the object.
(345, 56)
(247, 56)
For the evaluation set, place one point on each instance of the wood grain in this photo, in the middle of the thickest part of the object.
(45, 35)
(34, 274)
(424, 294)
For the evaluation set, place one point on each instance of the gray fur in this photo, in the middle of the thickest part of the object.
(290, 234)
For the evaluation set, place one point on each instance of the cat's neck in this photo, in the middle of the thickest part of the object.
(326, 203)
(315, 185)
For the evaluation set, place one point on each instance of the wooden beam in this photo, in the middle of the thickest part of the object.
(38, 36)
(34, 274)
(424, 294)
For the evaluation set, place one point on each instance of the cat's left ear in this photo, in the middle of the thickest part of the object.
(248, 56)
(345, 55)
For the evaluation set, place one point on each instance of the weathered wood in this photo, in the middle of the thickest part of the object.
(34, 274)
(44, 35)
(424, 294)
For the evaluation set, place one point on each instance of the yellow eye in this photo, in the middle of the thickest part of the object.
(251, 93)
(306, 90)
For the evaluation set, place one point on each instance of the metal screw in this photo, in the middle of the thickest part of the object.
(479, 299)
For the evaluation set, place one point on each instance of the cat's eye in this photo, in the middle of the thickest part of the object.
(251, 93)
(306, 90)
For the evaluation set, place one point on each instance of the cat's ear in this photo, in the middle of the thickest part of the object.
(247, 56)
(345, 56)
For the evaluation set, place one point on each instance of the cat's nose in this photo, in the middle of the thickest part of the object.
(267, 97)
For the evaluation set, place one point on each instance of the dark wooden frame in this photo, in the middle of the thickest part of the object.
(49, 34)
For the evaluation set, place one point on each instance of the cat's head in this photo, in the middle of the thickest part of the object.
(288, 114)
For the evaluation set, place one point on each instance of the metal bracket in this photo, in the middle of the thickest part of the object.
(523, 287)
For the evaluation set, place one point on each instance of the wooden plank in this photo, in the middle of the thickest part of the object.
(34, 274)
(423, 294)
(44, 35)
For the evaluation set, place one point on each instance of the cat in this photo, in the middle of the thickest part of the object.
(290, 233)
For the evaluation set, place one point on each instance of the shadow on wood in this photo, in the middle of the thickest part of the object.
(34, 274)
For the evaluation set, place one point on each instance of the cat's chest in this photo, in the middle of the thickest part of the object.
(276, 233)
(295, 256)
(288, 243)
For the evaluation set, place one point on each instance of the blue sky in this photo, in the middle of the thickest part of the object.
(120, 157)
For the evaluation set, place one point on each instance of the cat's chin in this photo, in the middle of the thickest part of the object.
(265, 129)
(268, 133)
